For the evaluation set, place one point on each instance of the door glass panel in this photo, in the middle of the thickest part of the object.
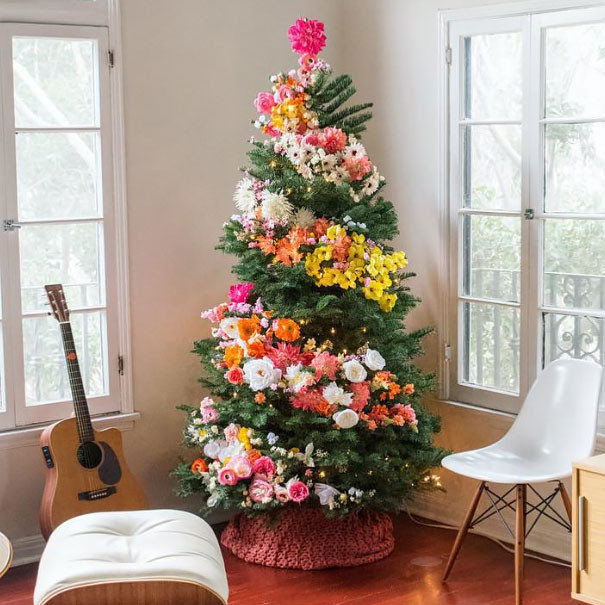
(575, 70)
(575, 167)
(66, 253)
(55, 82)
(491, 355)
(493, 87)
(58, 175)
(573, 336)
(46, 379)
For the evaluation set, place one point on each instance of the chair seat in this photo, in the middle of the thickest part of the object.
(496, 464)
(131, 551)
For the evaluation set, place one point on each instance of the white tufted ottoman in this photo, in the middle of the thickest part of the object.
(151, 557)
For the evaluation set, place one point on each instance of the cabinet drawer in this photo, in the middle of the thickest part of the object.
(589, 537)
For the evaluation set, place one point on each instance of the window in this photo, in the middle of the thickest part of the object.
(59, 217)
(526, 157)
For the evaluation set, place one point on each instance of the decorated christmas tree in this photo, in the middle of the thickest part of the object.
(315, 402)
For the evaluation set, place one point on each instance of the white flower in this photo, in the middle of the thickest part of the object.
(374, 360)
(260, 373)
(276, 206)
(335, 395)
(328, 162)
(370, 185)
(325, 493)
(244, 197)
(355, 150)
(229, 327)
(212, 500)
(212, 448)
(354, 371)
(297, 379)
(304, 217)
(294, 154)
(346, 419)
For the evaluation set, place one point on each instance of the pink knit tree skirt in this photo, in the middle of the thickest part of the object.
(306, 539)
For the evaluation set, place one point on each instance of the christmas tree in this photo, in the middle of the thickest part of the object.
(315, 401)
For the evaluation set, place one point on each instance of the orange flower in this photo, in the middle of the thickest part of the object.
(265, 244)
(233, 355)
(260, 397)
(253, 456)
(324, 408)
(199, 466)
(247, 328)
(256, 349)
(287, 329)
(394, 390)
(408, 389)
(320, 226)
(287, 252)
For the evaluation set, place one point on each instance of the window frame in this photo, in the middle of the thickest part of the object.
(97, 19)
(531, 19)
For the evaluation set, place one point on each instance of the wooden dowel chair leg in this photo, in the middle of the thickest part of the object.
(566, 500)
(468, 519)
(520, 541)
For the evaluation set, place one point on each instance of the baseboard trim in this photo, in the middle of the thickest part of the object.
(28, 549)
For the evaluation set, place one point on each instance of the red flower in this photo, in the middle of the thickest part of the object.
(235, 375)
(199, 466)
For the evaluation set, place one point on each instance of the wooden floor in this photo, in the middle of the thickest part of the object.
(483, 575)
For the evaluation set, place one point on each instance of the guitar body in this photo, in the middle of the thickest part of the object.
(85, 478)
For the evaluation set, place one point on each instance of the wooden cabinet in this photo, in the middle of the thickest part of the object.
(588, 531)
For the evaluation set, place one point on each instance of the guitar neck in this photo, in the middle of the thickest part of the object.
(85, 431)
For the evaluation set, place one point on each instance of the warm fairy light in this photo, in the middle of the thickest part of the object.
(309, 189)
(370, 472)
(273, 164)
(288, 191)
(322, 474)
(364, 330)
(344, 351)
(332, 330)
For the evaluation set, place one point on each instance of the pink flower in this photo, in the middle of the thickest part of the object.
(264, 466)
(333, 140)
(272, 131)
(209, 415)
(298, 491)
(307, 400)
(282, 93)
(231, 432)
(264, 102)
(260, 491)
(238, 293)
(235, 375)
(361, 395)
(325, 365)
(241, 467)
(407, 412)
(281, 494)
(357, 166)
(307, 36)
(215, 314)
(227, 476)
(311, 139)
(284, 355)
(206, 402)
(307, 61)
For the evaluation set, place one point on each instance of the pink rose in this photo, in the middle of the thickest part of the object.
(307, 36)
(241, 467)
(281, 494)
(260, 491)
(264, 102)
(235, 375)
(298, 491)
(264, 466)
(227, 476)
(231, 432)
(238, 293)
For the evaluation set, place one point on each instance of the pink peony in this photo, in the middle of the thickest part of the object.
(241, 467)
(209, 415)
(264, 466)
(357, 166)
(298, 491)
(325, 365)
(264, 102)
(307, 36)
(231, 432)
(281, 494)
(238, 293)
(333, 140)
(261, 491)
(227, 476)
(235, 375)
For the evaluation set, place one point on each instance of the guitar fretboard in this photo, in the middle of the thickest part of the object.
(85, 431)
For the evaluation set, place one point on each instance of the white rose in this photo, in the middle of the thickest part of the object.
(346, 419)
(297, 379)
(354, 371)
(229, 327)
(374, 360)
(212, 448)
(260, 373)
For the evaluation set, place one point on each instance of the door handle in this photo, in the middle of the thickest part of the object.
(581, 528)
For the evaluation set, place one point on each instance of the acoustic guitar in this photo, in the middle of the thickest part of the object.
(86, 470)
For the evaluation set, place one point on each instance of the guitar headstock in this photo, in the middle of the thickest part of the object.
(58, 304)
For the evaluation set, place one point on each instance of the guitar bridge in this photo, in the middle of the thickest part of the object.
(97, 494)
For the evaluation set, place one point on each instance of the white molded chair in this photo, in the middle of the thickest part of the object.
(6, 554)
(556, 425)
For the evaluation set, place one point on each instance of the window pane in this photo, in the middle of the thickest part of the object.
(574, 263)
(574, 336)
(493, 76)
(492, 167)
(55, 82)
(58, 175)
(492, 256)
(69, 254)
(575, 70)
(491, 346)
(46, 378)
(575, 167)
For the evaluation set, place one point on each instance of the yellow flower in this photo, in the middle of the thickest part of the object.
(373, 291)
(387, 302)
(335, 231)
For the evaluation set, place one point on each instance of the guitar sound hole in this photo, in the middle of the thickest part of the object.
(89, 454)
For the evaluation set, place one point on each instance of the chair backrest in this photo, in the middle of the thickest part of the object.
(6, 554)
(559, 415)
